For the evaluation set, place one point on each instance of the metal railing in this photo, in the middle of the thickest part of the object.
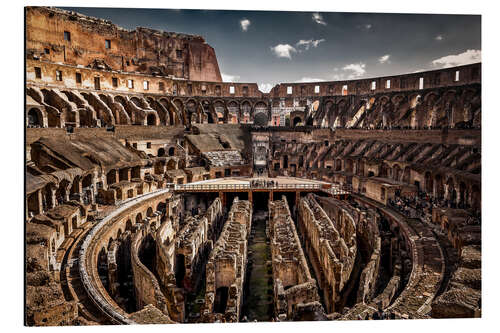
(222, 187)
(335, 189)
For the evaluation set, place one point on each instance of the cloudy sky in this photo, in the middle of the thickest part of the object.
(273, 47)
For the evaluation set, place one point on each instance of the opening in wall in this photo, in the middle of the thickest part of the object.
(38, 72)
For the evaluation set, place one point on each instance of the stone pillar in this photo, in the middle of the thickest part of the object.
(250, 196)
(222, 198)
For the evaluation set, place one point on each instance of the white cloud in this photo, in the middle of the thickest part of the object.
(283, 50)
(385, 58)
(306, 44)
(265, 87)
(356, 70)
(439, 37)
(368, 26)
(318, 18)
(464, 58)
(309, 79)
(245, 23)
(229, 78)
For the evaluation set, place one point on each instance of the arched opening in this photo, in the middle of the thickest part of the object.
(102, 268)
(35, 118)
(261, 119)
(62, 191)
(128, 225)
(171, 151)
(149, 212)
(151, 120)
(285, 162)
(147, 253)
(171, 165)
(111, 177)
(384, 171)
(110, 242)
(161, 207)
(210, 118)
(161, 152)
(47, 199)
(138, 218)
(301, 161)
(296, 121)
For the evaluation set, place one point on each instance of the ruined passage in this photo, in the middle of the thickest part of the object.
(258, 301)
(225, 269)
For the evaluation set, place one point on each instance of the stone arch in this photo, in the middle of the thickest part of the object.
(111, 177)
(297, 120)
(110, 242)
(35, 118)
(171, 165)
(384, 171)
(161, 152)
(129, 225)
(173, 120)
(62, 192)
(138, 218)
(220, 111)
(234, 111)
(149, 212)
(151, 119)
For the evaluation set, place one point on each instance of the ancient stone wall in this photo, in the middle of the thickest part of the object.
(332, 256)
(293, 284)
(67, 37)
(225, 269)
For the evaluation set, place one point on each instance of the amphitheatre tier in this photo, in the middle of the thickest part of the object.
(158, 194)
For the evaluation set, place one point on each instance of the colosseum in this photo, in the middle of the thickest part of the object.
(157, 193)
